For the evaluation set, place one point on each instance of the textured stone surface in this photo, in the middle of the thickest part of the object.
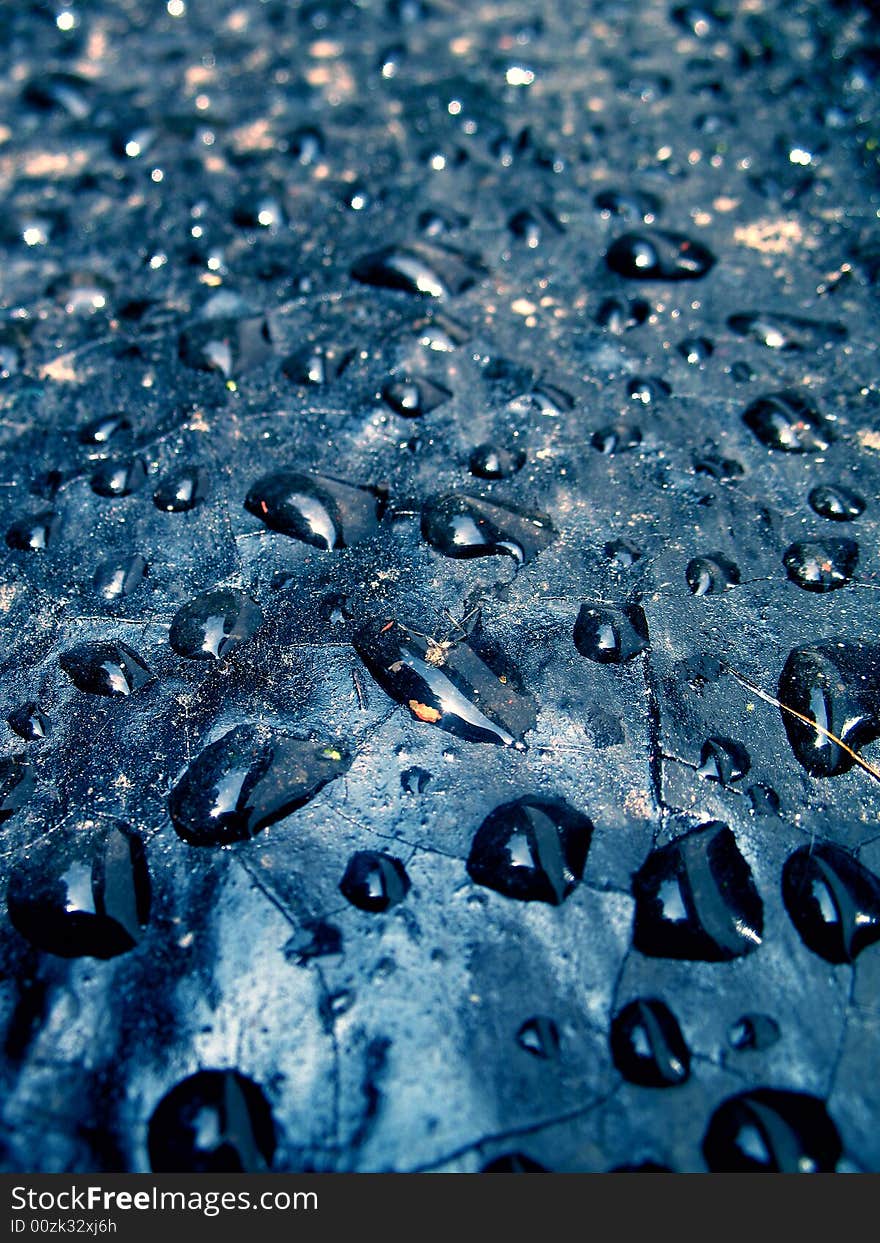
(225, 235)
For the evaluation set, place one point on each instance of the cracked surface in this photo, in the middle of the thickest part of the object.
(395, 1047)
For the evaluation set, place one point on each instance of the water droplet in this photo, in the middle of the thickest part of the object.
(317, 364)
(711, 574)
(768, 1130)
(753, 1032)
(723, 469)
(315, 939)
(622, 553)
(305, 145)
(533, 225)
(647, 390)
(533, 849)
(34, 532)
(821, 564)
(628, 204)
(419, 268)
(444, 684)
(833, 685)
(29, 721)
(832, 900)
(16, 783)
(696, 350)
(616, 438)
(415, 780)
(786, 421)
(100, 431)
(699, 19)
(467, 526)
(81, 293)
(214, 1122)
(539, 1036)
(105, 668)
(214, 624)
(656, 254)
(696, 899)
(114, 579)
(647, 1045)
(834, 501)
(611, 635)
(316, 509)
(488, 461)
(620, 315)
(248, 779)
(786, 332)
(441, 333)
(415, 396)
(374, 881)
(119, 478)
(77, 899)
(181, 491)
(723, 760)
(231, 345)
(763, 800)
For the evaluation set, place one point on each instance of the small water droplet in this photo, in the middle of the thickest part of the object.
(489, 461)
(115, 579)
(711, 574)
(753, 1032)
(622, 553)
(822, 564)
(533, 849)
(34, 532)
(786, 332)
(832, 900)
(656, 254)
(696, 350)
(246, 780)
(98, 432)
(467, 526)
(105, 668)
(230, 345)
(620, 315)
(214, 624)
(616, 438)
(316, 509)
(413, 397)
(696, 899)
(723, 760)
(631, 205)
(182, 490)
(317, 364)
(648, 390)
(29, 721)
(611, 635)
(713, 464)
(16, 784)
(374, 881)
(539, 1036)
(119, 478)
(647, 1044)
(419, 268)
(415, 780)
(214, 1122)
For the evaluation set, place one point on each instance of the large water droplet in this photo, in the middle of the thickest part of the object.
(76, 900)
(821, 564)
(419, 268)
(834, 685)
(181, 491)
(834, 501)
(656, 254)
(647, 1045)
(533, 849)
(248, 779)
(769, 1130)
(467, 526)
(374, 881)
(696, 899)
(16, 784)
(786, 332)
(786, 421)
(444, 684)
(214, 1122)
(105, 668)
(316, 509)
(611, 635)
(214, 624)
(832, 900)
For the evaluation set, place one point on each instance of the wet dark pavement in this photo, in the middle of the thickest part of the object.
(436, 439)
